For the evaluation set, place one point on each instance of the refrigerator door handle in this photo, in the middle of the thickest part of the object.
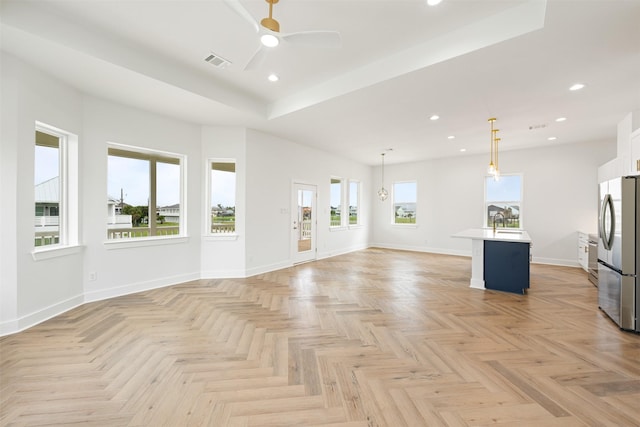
(607, 230)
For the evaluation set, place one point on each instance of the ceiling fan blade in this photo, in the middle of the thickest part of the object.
(238, 8)
(314, 38)
(257, 59)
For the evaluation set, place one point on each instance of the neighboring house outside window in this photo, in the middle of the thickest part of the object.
(55, 187)
(503, 201)
(405, 202)
(150, 186)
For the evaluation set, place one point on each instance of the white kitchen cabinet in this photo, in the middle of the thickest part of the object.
(583, 250)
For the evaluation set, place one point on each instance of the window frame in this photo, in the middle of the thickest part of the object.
(68, 178)
(393, 203)
(358, 222)
(154, 156)
(341, 224)
(208, 220)
(520, 202)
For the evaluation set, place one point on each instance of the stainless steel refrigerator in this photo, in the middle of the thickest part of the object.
(619, 251)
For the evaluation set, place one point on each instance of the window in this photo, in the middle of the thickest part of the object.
(222, 184)
(335, 207)
(404, 202)
(503, 201)
(144, 195)
(354, 202)
(55, 187)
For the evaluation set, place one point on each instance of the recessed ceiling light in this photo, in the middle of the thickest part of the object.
(451, 137)
(434, 117)
(576, 86)
(273, 77)
(433, 2)
(552, 138)
(561, 119)
(462, 150)
(269, 40)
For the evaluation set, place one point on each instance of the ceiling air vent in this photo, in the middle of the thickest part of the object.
(216, 60)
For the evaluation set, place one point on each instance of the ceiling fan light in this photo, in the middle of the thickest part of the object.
(269, 40)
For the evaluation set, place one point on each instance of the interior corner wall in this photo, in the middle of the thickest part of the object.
(31, 290)
(273, 165)
(222, 256)
(560, 198)
(9, 96)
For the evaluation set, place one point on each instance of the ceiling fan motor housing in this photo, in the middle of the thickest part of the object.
(271, 24)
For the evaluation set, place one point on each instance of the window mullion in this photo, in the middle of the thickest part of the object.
(152, 197)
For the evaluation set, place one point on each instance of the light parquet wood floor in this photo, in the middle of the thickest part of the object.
(371, 338)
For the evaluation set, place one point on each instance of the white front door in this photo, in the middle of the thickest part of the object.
(303, 220)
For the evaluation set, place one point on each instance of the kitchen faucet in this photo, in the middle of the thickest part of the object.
(494, 220)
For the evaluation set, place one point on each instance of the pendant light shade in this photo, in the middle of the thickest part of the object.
(382, 192)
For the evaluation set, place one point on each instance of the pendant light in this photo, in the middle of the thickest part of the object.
(382, 192)
(492, 166)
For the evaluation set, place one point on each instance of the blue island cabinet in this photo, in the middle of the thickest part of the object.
(506, 266)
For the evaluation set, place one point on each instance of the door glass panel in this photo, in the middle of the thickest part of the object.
(305, 198)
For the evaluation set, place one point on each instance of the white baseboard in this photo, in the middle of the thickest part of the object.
(132, 288)
(421, 249)
(330, 254)
(267, 268)
(556, 261)
(222, 274)
(39, 316)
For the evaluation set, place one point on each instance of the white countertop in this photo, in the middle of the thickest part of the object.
(501, 234)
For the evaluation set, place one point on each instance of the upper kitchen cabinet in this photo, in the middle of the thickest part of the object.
(635, 153)
(629, 144)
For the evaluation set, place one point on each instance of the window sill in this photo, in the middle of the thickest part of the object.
(220, 238)
(338, 228)
(142, 242)
(55, 252)
(355, 226)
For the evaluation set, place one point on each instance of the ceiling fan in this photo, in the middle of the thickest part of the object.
(270, 35)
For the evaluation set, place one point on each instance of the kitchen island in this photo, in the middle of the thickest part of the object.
(499, 259)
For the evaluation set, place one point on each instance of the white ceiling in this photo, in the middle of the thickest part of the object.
(400, 62)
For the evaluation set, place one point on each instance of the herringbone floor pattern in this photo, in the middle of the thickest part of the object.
(371, 338)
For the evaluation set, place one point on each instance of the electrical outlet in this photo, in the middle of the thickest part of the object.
(93, 276)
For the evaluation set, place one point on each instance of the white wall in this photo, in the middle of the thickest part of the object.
(560, 197)
(273, 165)
(220, 256)
(31, 290)
(126, 268)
